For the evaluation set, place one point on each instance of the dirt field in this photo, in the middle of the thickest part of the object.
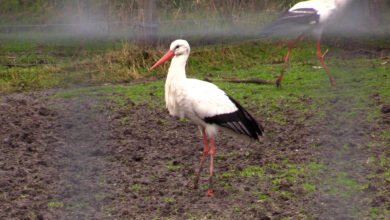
(87, 158)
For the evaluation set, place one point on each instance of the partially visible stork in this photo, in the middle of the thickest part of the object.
(304, 17)
(204, 104)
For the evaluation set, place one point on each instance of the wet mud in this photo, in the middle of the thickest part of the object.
(88, 158)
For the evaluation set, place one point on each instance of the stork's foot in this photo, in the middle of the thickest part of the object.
(278, 83)
(332, 82)
(210, 192)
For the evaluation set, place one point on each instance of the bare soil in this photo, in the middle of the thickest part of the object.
(87, 158)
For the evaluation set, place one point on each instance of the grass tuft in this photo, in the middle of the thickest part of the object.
(250, 171)
(55, 204)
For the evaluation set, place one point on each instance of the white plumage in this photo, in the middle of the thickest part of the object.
(203, 103)
(324, 9)
(197, 100)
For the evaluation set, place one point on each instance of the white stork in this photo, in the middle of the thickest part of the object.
(303, 17)
(204, 104)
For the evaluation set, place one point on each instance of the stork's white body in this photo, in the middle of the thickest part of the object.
(324, 8)
(194, 99)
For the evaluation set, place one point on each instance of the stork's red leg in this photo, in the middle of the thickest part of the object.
(291, 45)
(210, 191)
(206, 150)
(321, 58)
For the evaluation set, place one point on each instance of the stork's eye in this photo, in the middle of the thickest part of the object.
(177, 47)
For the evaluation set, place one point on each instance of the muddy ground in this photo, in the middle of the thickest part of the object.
(88, 158)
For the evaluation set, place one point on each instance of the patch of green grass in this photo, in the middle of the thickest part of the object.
(77, 205)
(55, 204)
(262, 196)
(173, 165)
(277, 181)
(135, 187)
(237, 209)
(374, 212)
(314, 167)
(286, 194)
(343, 185)
(227, 174)
(387, 175)
(310, 187)
(71, 65)
(250, 171)
(385, 135)
(293, 169)
(22, 79)
(189, 215)
(169, 200)
(343, 179)
(108, 209)
(32, 215)
(298, 175)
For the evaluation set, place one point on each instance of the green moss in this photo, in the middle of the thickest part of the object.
(387, 175)
(374, 212)
(310, 187)
(343, 185)
(189, 215)
(286, 194)
(277, 181)
(136, 187)
(173, 165)
(344, 180)
(262, 196)
(250, 171)
(227, 174)
(169, 200)
(315, 167)
(55, 204)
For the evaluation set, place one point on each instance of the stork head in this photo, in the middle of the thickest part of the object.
(178, 48)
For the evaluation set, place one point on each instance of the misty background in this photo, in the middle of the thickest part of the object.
(153, 21)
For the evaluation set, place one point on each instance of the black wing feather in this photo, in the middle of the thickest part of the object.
(299, 16)
(297, 20)
(239, 121)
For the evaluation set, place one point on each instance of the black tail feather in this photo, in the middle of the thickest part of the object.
(251, 123)
(239, 121)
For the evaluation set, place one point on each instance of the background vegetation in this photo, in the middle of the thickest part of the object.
(58, 11)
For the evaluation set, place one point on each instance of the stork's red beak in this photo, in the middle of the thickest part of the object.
(168, 55)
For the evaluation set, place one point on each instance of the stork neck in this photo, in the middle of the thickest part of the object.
(177, 69)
